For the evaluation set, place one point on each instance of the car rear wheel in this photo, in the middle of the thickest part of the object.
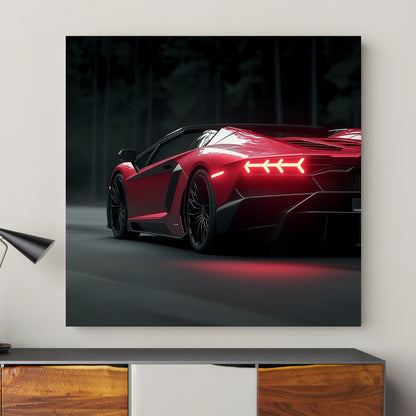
(200, 212)
(118, 208)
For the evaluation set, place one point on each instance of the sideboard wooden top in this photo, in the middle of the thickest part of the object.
(232, 356)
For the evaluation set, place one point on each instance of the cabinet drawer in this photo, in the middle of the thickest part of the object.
(64, 390)
(321, 390)
(192, 390)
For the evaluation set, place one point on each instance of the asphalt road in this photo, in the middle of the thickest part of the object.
(162, 282)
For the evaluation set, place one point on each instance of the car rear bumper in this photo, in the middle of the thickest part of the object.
(319, 217)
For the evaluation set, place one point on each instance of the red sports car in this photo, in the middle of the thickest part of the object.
(292, 183)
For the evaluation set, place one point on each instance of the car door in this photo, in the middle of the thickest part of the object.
(151, 189)
(147, 189)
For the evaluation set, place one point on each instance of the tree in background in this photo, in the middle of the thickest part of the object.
(125, 92)
(345, 75)
(249, 70)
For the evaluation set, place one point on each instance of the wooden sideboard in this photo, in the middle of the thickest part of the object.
(321, 390)
(121, 382)
(64, 390)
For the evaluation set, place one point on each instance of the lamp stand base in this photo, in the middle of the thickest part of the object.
(4, 348)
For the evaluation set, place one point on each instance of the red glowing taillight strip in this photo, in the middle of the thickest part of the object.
(217, 174)
(266, 165)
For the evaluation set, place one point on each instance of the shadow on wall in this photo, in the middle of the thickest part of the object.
(395, 401)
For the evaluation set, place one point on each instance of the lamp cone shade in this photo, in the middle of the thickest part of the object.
(31, 246)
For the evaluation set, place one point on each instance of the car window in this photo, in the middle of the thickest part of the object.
(141, 162)
(221, 136)
(173, 147)
(203, 139)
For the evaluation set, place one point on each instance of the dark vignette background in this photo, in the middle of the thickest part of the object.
(128, 92)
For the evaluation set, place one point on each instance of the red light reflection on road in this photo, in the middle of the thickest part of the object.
(258, 270)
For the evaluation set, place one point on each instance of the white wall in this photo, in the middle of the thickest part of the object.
(32, 168)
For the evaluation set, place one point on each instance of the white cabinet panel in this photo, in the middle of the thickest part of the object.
(190, 390)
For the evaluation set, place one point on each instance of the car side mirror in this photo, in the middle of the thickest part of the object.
(127, 155)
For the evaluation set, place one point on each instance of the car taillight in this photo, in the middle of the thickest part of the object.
(279, 166)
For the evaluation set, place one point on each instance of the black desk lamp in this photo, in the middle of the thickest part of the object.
(31, 246)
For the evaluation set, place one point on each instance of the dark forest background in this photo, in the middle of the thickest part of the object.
(128, 92)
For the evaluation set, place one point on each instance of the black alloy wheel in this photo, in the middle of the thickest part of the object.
(200, 212)
(118, 208)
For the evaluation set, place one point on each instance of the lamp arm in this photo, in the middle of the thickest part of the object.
(5, 251)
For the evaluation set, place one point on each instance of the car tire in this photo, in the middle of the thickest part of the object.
(200, 210)
(117, 206)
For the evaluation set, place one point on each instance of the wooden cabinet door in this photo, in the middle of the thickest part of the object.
(321, 390)
(64, 390)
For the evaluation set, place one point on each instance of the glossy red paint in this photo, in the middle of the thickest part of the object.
(155, 216)
(125, 168)
(231, 155)
(215, 175)
(152, 189)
